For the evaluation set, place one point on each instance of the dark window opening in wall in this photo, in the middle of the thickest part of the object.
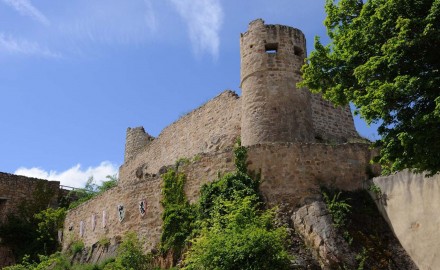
(271, 48)
(298, 51)
(2, 204)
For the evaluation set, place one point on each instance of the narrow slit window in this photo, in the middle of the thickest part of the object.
(271, 48)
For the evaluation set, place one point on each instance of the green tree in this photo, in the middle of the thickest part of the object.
(49, 221)
(383, 57)
(19, 231)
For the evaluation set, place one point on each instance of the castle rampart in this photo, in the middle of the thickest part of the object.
(137, 139)
(330, 123)
(212, 127)
(290, 173)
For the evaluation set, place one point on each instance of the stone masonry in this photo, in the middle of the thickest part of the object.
(295, 140)
(16, 189)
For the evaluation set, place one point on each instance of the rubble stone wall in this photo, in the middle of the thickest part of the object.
(212, 127)
(290, 172)
(17, 189)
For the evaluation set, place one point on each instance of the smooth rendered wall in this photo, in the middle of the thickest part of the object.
(410, 204)
(273, 108)
(212, 127)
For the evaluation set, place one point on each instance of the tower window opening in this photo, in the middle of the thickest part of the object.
(271, 48)
(297, 51)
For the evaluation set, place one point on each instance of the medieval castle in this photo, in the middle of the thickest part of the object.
(297, 141)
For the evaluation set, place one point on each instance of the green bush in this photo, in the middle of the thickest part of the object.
(239, 237)
(77, 246)
(338, 208)
(234, 231)
(130, 256)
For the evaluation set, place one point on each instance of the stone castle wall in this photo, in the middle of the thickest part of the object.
(332, 123)
(212, 127)
(291, 173)
(136, 141)
(17, 189)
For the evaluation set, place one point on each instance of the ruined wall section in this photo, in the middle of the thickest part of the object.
(212, 127)
(136, 140)
(291, 174)
(16, 189)
(332, 123)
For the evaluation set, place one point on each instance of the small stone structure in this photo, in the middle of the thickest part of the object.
(14, 191)
(296, 141)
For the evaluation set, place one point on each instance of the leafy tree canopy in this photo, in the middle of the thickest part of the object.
(383, 57)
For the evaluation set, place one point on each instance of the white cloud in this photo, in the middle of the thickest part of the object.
(21, 46)
(25, 8)
(73, 177)
(109, 22)
(204, 19)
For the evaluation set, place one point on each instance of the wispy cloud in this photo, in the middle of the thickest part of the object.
(25, 8)
(109, 22)
(204, 19)
(73, 177)
(150, 16)
(12, 45)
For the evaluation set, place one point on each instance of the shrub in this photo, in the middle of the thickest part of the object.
(130, 255)
(239, 237)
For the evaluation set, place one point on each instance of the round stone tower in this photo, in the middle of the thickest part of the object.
(136, 140)
(273, 108)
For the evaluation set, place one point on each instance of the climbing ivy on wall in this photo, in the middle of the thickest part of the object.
(227, 228)
(178, 216)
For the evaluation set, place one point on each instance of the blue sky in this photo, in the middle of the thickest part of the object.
(75, 74)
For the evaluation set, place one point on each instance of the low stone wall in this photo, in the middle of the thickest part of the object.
(410, 204)
(98, 219)
(290, 174)
(212, 127)
(16, 189)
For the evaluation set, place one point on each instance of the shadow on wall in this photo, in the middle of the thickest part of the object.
(409, 202)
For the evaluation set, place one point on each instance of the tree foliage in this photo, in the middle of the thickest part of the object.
(234, 231)
(239, 236)
(383, 57)
(20, 229)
